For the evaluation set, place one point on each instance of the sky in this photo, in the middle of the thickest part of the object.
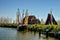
(39, 8)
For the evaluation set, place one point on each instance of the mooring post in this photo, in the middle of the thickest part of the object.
(47, 33)
(58, 35)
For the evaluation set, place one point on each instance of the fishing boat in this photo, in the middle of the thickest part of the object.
(24, 24)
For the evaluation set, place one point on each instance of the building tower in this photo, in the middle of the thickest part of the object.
(26, 18)
(50, 19)
(18, 19)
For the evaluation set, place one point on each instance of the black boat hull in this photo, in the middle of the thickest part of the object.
(21, 28)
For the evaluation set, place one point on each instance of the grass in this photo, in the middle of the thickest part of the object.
(42, 26)
(55, 27)
(8, 25)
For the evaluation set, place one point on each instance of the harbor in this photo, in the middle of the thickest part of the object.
(29, 20)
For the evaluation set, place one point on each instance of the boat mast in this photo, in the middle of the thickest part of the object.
(22, 17)
(51, 16)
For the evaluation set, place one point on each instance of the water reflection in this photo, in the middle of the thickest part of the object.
(22, 35)
(7, 34)
(34, 33)
(13, 34)
(39, 34)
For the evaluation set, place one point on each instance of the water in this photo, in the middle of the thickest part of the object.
(13, 34)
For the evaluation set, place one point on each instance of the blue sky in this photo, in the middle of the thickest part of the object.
(39, 8)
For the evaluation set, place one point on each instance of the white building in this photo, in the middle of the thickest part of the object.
(42, 21)
(5, 20)
(58, 21)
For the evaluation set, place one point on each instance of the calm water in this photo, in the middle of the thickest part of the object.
(13, 34)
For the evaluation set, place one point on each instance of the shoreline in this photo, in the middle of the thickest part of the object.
(9, 26)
